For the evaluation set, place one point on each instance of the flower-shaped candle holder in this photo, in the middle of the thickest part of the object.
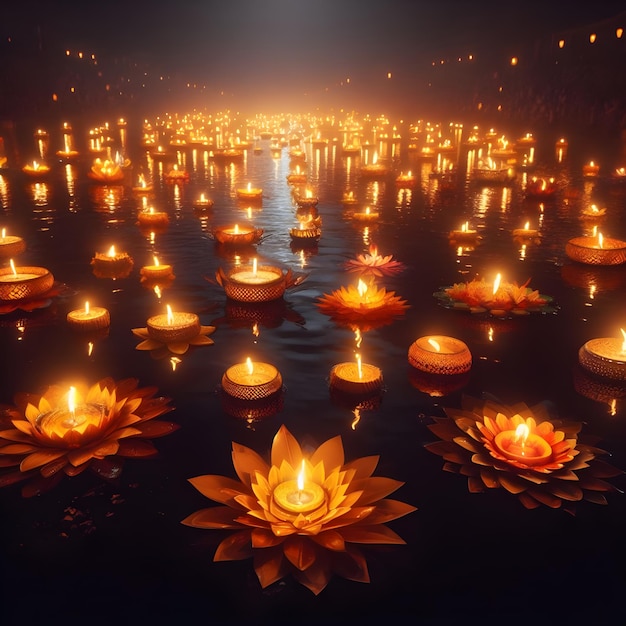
(300, 513)
(305, 235)
(522, 450)
(374, 264)
(596, 250)
(25, 282)
(64, 432)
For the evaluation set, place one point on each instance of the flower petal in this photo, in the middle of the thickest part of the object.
(371, 534)
(235, 547)
(264, 538)
(214, 517)
(247, 462)
(330, 453)
(270, 565)
(285, 448)
(39, 458)
(219, 488)
(299, 551)
(374, 488)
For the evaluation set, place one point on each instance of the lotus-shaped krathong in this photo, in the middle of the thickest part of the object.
(521, 449)
(46, 437)
(300, 514)
(375, 264)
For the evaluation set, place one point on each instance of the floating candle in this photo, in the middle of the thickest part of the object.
(157, 270)
(300, 495)
(366, 215)
(250, 193)
(439, 354)
(11, 245)
(253, 275)
(89, 318)
(525, 232)
(605, 356)
(251, 380)
(356, 377)
(18, 283)
(523, 446)
(464, 233)
(152, 218)
(598, 250)
(173, 326)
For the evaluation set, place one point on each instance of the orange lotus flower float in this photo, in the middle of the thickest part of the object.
(105, 172)
(365, 306)
(300, 514)
(375, 264)
(499, 297)
(522, 450)
(64, 432)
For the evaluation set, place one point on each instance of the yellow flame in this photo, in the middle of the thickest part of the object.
(89, 348)
(71, 400)
(174, 361)
(87, 307)
(362, 287)
(255, 329)
(170, 315)
(496, 284)
(434, 343)
(236, 229)
(111, 252)
(624, 339)
(12, 267)
(301, 476)
(600, 240)
(522, 432)
(249, 365)
(490, 333)
(613, 407)
(4, 233)
(156, 260)
(157, 291)
(254, 266)
(526, 225)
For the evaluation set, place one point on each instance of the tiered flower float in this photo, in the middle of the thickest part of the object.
(36, 169)
(65, 431)
(499, 298)
(301, 513)
(105, 172)
(523, 450)
(112, 264)
(541, 188)
(374, 264)
(308, 231)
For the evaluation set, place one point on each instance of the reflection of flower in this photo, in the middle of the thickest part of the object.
(478, 296)
(39, 437)
(374, 264)
(476, 442)
(177, 346)
(310, 545)
(349, 307)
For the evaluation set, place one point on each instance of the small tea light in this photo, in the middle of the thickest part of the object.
(591, 170)
(18, 283)
(525, 232)
(250, 193)
(253, 275)
(242, 234)
(111, 256)
(251, 380)
(203, 202)
(89, 318)
(522, 445)
(300, 495)
(10, 245)
(156, 270)
(173, 326)
(439, 354)
(356, 377)
(308, 200)
(465, 233)
(598, 250)
(605, 356)
(366, 215)
(349, 199)
(153, 218)
(406, 180)
(304, 234)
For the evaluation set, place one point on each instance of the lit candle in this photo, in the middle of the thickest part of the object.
(523, 446)
(250, 192)
(525, 232)
(156, 270)
(300, 495)
(605, 356)
(439, 354)
(366, 215)
(465, 233)
(356, 377)
(596, 250)
(17, 283)
(77, 417)
(89, 318)
(150, 217)
(252, 275)
(251, 380)
(173, 326)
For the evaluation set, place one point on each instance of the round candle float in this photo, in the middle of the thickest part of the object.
(307, 201)
(36, 169)
(349, 199)
(591, 170)
(405, 180)
(299, 496)
(152, 218)
(605, 357)
(251, 380)
(597, 250)
(523, 446)
(297, 176)
(526, 232)
(592, 212)
(356, 377)
(465, 233)
(241, 234)
(203, 203)
(89, 318)
(173, 326)
(305, 235)
(76, 418)
(112, 264)
(156, 271)
(250, 193)
(19, 283)
(253, 283)
(10, 245)
(366, 215)
(142, 186)
(439, 354)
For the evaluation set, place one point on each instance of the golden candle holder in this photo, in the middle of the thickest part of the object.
(356, 378)
(237, 234)
(305, 236)
(153, 219)
(251, 380)
(250, 194)
(112, 264)
(438, 354)
(11, 246)
(24, 283)
(590, 251)
(604, 357)
(253, 284)
(89, 318)
(177, 327)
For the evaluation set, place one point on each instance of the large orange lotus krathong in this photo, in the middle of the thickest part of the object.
(41, 448)
(478, 296)
(351, 507)
(375, 264)
(555, 469)
(348, 306)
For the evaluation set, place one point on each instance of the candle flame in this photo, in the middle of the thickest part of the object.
(89, 348)
(249, 186)
(156, 260)
(157, 291)
(4, 233)
(526, 225)
(434, 343)
(12, 267)
(254, 266)
(71, 400)
(86, 307)
(170, 315)
(249, 365)
(359, 366)
(496, 284)
(521, 433)
(490, 333)
(362, 288)
(464, 227)
(600, 240)
(236, 229)
(111, 252)
(367, 211)
(301, 476)
(624, 339)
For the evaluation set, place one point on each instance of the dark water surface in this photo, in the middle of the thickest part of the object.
(117, 552)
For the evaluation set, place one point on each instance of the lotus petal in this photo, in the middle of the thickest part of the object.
(214, 517)
(352, 565)
(219, 488)
(330, 453)
(37, 459)
(262, 538)
(285, 447)
(235, 547)
(331, 540)
(246, 462)
(270, 565)
(300, 552)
